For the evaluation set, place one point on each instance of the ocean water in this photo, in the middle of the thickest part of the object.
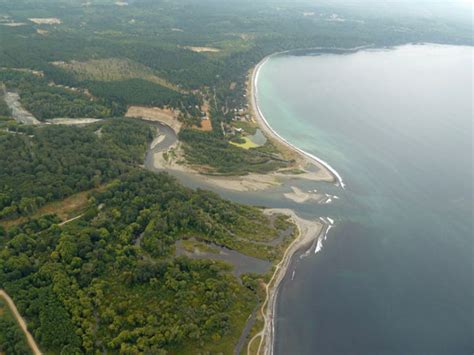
(395, 275)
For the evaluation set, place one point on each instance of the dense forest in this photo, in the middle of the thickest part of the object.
(5, 111)
(46, 101)
(141, 92)
(110, 282)
(52, 162)
(12, 339)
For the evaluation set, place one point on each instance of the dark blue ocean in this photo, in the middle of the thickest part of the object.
(395, 275)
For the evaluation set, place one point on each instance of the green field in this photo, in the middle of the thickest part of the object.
(247, 145)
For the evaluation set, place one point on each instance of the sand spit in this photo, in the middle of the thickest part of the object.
(13, 24)
(300, 196)
(46, 21)
(173, 160)
(309, 232)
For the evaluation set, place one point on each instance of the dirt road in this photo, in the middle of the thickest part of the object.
(31, 342)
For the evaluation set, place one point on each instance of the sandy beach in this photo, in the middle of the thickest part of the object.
(173, 159)
(299, 196)
(325, 171)
(308, 233)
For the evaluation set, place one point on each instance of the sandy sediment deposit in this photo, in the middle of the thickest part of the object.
(157, 114)
(46, 21)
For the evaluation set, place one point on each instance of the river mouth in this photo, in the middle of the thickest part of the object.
(397, 124)
(273, 197)
(397, 261)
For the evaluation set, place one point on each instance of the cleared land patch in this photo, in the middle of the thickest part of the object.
(206, 126)
(114, 69)
(64, 209)
(164, 115)
(203, 49)
(246, 145)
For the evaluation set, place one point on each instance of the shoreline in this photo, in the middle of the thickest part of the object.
(309, 232)
(265, 127)
(307, 235)
(253, 181)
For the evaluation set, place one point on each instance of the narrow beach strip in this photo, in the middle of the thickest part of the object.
(308, 232)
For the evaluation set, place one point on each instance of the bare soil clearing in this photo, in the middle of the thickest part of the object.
(21, 115)
(157, 114)
(206, 126)
(73, 121)
(46, 21)
(65, 209)
(203, 49)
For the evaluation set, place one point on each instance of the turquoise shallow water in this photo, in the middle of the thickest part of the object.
(396, 274)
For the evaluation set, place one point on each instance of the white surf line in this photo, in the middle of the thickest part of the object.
(329, 222)
(255, 98)
(319, 246)
(308, 251)
(309, 155)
